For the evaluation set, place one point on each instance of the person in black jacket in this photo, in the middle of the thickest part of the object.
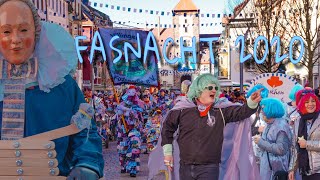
(201, 128)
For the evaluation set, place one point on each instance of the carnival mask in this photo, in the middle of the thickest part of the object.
(17, 32)
(131, 92)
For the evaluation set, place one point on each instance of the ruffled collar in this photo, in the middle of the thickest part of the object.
(56, 57)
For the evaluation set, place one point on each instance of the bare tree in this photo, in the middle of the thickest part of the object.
(261, 18)
(302, 19)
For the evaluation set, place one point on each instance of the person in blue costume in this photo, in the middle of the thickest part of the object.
(275, 142)
(36, 60)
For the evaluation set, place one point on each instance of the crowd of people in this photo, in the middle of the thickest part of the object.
(285, 136)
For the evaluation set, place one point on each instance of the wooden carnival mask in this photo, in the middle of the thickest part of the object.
(17, 32)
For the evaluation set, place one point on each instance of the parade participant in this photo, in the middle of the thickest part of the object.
(153, 129)
(275, 141)
(129, 140)
(292, 112)
(184, 90)
(88, 96)
(38, 58)
(147, 107)
(306, 154)
(201, 120)
(156, 157)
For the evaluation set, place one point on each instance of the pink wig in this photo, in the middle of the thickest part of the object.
(304, 95)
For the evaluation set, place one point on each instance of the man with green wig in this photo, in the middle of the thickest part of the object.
(200, 120)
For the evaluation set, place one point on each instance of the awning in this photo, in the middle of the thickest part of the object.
(237, 84)
(225, 83)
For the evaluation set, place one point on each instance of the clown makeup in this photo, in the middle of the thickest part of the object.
(310, 105)
(17, 32)
(207, 96)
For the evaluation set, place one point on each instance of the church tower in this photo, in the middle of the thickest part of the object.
(186, 24)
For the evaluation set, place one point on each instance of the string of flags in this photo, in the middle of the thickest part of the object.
(167, 13)
(153, 12)
(167, 25)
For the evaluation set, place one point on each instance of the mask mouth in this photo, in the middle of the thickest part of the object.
(212, 95)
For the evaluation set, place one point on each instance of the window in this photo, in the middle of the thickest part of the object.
(185, 21)
(37, 4)
(64, 8)
(42, 5)
(52, 4)
(79, 10)
(185, 29)
(57, 8)
(60, 8)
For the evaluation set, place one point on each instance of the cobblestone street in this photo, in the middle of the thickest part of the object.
(112, 168)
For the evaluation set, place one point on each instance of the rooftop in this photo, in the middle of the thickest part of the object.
(185, 5)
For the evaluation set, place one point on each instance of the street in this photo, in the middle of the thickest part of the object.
(112, 167)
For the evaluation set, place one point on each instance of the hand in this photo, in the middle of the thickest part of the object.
(256, 97)
(82, 173)
(168, 161)
(302, 142)
(256, 138)
(260, 129)
(291, 175)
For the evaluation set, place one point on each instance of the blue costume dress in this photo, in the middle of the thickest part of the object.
(52, 98)
(49, 111)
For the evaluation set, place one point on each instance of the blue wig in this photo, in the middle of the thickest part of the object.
(264, 93)
(272, 108)
(294, 90)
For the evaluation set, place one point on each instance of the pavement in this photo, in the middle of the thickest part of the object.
(112, 167)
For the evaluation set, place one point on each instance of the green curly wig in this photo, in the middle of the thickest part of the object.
(200, 83)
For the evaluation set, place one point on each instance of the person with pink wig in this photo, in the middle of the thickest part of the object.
(306, 154)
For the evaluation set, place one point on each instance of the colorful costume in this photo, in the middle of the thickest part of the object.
(152, 128)
(129, 141)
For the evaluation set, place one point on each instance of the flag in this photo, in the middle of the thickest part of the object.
(133, 71)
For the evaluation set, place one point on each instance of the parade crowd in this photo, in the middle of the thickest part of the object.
(284, 137)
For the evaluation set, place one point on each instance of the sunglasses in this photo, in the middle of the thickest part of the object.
(210, 88)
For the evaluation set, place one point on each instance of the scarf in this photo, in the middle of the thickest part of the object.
(14, 79)
(204, 111)
(303, 158)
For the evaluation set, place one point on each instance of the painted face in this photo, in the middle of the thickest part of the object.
(310, 105)
(17, 32)
(131, 92)
(208, 94)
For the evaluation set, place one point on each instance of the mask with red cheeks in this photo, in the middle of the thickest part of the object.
(17, 32)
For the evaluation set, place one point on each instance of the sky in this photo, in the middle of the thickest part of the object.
(211, 24)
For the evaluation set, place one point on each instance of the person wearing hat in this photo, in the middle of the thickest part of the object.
(37, 60)
(201, 119)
